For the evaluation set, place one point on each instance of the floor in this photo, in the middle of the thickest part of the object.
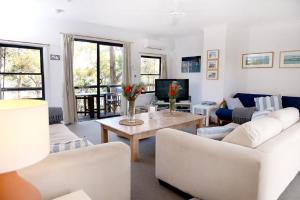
(144, 184)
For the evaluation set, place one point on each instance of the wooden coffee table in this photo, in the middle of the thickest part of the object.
(161, 119)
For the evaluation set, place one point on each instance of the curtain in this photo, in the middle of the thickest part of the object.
(164, 67)
(127, 76)
(69, 104)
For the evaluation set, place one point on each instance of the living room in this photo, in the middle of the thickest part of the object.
(80, 58)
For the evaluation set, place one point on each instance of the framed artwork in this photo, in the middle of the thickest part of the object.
(212, 75)
(213, 54)
(258, 60)
(212, 64)
(289, 59)
(191, 64)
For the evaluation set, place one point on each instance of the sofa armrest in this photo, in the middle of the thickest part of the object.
(205, 168)
(102, 171)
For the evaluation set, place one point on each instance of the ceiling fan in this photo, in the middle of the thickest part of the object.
(176, 13)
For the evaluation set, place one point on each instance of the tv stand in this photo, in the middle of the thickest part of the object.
(182, 106)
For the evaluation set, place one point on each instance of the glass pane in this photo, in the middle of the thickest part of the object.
(85, 65)
(149, 81)
(27, 94)
(150, 65)
(111, 65)
(20, 81)
(19, 60)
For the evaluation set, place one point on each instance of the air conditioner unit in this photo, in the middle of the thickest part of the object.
(154, 44)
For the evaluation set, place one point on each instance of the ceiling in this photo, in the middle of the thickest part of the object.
(154, 16)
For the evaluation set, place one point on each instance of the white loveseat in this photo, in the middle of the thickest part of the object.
(218, 170)
(102, 171)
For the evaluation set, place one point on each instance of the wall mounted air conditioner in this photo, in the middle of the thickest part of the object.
(154, 44)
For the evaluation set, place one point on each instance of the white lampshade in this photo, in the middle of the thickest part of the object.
(24, 133)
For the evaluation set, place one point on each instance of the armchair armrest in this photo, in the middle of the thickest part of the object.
(102, 171)
(222, 104)
(205, 168)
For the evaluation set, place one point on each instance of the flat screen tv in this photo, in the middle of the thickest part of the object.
(162, 89)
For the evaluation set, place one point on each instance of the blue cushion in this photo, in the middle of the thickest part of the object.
(248, 99)
(291, 102)
(224, 114)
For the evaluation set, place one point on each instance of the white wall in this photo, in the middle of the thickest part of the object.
(233, 41)
(275, 37)
(185, 47)
(48, 31)
(214, 38)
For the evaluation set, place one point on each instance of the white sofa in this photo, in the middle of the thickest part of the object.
(102, 171)
(217, 170)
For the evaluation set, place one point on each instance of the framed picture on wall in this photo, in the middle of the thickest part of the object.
(213, 54)
(212, 75)
(191, 64)
(289, 59)
(212, 64)
(257, 60)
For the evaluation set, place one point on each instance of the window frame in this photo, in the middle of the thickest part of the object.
(159, 74)
(98, 43)
(21, 46)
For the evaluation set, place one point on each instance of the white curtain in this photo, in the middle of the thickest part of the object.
(69, 104)
(164, 67)
(127, 73)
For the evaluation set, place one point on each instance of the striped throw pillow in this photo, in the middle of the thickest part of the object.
(75, 144)
(268, 103)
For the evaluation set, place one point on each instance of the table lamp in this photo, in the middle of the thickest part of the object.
(24, 140)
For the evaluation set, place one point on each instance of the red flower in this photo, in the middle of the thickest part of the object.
(127, 89)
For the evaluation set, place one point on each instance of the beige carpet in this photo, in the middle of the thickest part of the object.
(144, 184)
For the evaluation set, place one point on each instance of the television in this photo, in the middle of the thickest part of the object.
(162, 89)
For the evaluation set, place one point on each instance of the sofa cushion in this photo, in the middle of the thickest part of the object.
(224, 114)
(268, 103)
(248, 99)
(287, 116)
(59, 133)
(70, 145)
(233, 103)
(254, 133)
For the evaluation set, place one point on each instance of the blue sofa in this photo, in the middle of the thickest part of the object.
(224, 114)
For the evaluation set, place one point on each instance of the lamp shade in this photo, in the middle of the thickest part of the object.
(24, 133)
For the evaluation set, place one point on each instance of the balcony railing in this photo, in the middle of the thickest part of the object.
(109, 100)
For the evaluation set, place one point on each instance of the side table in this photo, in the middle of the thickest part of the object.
(78, 195)
(200, 108)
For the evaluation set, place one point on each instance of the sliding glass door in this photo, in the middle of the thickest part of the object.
(97, 78)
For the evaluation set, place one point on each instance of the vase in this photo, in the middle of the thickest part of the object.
(131, 111)
(172, 105)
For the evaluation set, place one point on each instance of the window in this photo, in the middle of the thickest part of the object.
(150, 70)
(21, 72)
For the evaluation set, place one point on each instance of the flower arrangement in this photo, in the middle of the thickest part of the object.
(173, 92)
(174, 89)
(132, 91)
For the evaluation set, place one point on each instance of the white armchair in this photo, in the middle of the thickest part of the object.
(102, 171)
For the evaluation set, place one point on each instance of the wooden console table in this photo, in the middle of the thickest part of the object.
(161, 119)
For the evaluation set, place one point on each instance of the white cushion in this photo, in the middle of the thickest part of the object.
(287, 116)
(254, 133)
(59, 133)
(233, 103)
(218, 132)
